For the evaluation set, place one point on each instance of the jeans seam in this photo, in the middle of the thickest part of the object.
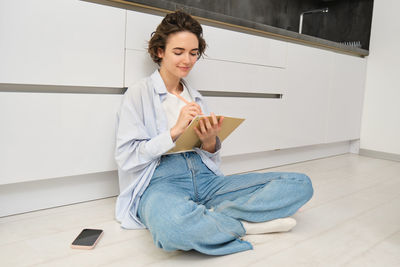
(196, 195)
(190, 166)
(237, 189)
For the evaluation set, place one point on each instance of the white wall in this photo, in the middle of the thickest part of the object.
(380, 130)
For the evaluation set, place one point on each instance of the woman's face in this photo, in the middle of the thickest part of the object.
(180, 54)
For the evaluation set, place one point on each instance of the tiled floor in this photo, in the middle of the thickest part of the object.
(352, 220)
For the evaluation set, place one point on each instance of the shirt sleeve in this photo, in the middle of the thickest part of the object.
(135, 148)
(217, 149)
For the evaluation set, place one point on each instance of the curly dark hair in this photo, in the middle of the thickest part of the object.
(177, 21)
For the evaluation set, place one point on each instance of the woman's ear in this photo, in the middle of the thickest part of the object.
(160, 52)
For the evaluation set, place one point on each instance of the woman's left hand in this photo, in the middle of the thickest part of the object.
(208, 131)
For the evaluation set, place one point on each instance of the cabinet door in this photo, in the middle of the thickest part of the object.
(309, 79)
(241, 47)
(346, 97)
(46, 135)
(63, 42)
(216, 75)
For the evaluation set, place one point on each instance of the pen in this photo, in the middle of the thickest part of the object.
(184, 100)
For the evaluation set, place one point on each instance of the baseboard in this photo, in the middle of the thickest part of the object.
(48, 193)
(379, 154)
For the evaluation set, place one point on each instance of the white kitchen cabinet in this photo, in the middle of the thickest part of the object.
(309, 74)
(322, 103)
(345, 98)
(45, 135)
(61, 42)
(325, 95)
(322, 90)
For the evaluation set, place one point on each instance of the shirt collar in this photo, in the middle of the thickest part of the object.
(158, 82)
(160, 88)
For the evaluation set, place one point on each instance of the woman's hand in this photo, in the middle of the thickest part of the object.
(208, 131)
(186, 115)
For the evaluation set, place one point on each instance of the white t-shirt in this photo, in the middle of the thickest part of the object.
(173, 105)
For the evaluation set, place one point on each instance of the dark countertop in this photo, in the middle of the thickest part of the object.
(232, 23)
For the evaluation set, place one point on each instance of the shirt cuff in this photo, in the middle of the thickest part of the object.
(161, 144)
(217, 148)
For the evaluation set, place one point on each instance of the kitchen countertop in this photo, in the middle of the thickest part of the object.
(232, 23)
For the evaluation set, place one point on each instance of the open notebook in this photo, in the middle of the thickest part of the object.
(189, 139)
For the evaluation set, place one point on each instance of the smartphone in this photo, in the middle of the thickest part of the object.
(87, 239)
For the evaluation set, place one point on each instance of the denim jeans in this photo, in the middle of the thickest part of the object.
(186, 206)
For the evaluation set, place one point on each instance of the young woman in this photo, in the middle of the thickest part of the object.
(183, 198)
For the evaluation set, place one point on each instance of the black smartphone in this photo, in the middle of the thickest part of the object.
(87, 239)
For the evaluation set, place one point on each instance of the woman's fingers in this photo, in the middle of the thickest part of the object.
(194, 106)
(221, 119)
(192, 114)
(212, 123)
(200, 127)
(208, 124)
(198, 107)
(214, 119)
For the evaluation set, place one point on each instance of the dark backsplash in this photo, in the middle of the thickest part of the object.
(346, 21)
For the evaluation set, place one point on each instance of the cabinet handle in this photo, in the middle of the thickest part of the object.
(64, 89)
(240, 94)
(39, 88)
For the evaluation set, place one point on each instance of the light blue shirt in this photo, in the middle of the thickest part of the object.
(142, 137)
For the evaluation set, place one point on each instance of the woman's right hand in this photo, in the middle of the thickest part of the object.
(186, 115)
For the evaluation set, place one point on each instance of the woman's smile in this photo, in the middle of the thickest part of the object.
(185, 69)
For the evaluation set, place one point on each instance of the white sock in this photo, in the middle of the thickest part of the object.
(258, 239)
(274, 226)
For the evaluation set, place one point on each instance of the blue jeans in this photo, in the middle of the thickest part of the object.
(186, 206)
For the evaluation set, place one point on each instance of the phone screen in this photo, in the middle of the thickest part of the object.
(87, 237)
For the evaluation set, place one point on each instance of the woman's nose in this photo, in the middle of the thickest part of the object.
(186, 58)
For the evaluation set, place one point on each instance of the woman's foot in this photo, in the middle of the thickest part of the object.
(274, 226)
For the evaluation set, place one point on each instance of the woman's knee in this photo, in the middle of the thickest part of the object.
(302, 184)
(306, 186)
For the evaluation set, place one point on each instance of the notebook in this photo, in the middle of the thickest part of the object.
(189, 139)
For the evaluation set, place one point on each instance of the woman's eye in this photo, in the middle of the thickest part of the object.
(192, 54)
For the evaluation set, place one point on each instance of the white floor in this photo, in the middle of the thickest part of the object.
(352, 220)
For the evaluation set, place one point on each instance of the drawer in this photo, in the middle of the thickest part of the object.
(55, 135)
(216, 75)
(246, 48)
